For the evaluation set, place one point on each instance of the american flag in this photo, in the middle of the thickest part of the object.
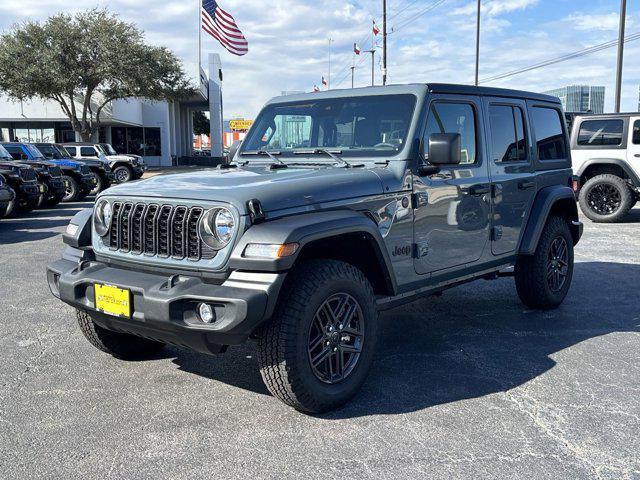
(221, 26)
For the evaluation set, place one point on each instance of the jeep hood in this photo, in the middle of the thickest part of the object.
(276, 189)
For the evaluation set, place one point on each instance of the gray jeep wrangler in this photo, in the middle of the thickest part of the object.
(336, 206)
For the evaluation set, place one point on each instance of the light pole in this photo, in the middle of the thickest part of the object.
(477, 43)
(329, 75)
(384, 42)
(623, 14)
(373, 53)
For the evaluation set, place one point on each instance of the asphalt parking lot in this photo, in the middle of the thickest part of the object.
(470, 384)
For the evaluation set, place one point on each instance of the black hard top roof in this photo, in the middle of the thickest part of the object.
(416, 89)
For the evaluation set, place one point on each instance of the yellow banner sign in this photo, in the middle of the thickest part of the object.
(240, 125)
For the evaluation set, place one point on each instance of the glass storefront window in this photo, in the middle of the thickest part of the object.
(137, 140)
(152, 142)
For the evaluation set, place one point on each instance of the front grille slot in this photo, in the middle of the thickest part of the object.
(158, 230)
(55, 172)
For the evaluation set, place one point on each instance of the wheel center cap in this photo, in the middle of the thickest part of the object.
(334, 339)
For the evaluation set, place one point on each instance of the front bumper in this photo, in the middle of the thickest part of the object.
(163, 307)
(56, 187)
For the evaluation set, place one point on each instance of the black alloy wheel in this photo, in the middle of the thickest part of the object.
(336, 336)
(557, 264)
(604, 199)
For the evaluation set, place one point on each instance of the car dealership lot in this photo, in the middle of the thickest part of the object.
(468, 384)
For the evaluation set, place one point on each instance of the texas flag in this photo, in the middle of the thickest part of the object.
(376, 30)
(356, 49)
(315, 88)
(324, 81)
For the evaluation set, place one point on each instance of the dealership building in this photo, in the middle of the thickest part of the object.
(159, 131)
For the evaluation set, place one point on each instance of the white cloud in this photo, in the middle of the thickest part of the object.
(288, 47)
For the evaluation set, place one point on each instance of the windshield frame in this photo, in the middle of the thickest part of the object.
(33, 151)
(108, 149)
(347, 152)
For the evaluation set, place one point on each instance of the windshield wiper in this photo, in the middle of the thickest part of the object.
(331, 153)
(271, 154)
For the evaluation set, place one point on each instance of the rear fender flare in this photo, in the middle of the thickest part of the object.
(633, 176)
(543, 204)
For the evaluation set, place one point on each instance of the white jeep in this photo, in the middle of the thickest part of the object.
(606, 156)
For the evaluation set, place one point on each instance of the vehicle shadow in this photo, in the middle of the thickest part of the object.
(38, 224)
(475, 340)
(632, 217)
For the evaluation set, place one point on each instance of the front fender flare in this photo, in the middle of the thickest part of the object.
(543, 203)
(304, 229)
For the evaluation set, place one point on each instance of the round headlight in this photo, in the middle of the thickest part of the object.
(217, 228)
(102, 217)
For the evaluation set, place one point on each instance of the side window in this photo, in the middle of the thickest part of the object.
(71, 150)
(636, 132)
(454, 118)
(16, 153)
(601, 132)
(88, 152)
(508, 143)
(551, 142)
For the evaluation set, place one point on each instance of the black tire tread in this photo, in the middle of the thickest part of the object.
(279, 373)
(531, 273)
(119, 345)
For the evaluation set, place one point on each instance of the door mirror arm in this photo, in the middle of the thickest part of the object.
(425, 169)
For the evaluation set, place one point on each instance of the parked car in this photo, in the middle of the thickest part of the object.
(49, 174)
(125, 167)
(109, 151)
(23, 180)
(99, 169)
(606, 157)
(300, 247)
(7, 197)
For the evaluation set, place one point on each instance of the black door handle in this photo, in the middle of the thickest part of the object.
(637, 155)
(523, 185)
(477, 190)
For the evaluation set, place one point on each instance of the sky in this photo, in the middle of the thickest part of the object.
(429, 41)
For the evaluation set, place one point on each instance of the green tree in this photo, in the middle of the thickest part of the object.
(201, 124)
(84, 62)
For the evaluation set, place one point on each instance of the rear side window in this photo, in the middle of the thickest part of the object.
(88, 152)
(454, 118)
(508, 142)
(550, 139)
(71, 150)
(636, 132)
(601, 132)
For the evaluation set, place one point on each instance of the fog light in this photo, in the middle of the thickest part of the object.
(207, 315)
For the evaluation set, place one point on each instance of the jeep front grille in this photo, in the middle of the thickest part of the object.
(157, 230)
(28, 174)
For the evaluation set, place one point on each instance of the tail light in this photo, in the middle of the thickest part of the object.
(574, 183)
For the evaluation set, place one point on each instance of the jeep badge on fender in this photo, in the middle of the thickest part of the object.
(299, 243)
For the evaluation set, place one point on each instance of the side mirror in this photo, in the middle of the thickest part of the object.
(233, 149)
(445, 148)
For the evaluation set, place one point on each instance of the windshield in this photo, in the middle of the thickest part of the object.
(51, 152)
(4, 153)
(357, 126)
(108, 148)
(100, 149)
(33, 151)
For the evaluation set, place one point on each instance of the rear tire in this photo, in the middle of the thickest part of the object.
(606, 198)
(119, 345)
(316, 351)
(123, 174)
(543, 279)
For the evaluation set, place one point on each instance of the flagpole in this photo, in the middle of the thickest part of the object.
(199, 38)
(329, 76)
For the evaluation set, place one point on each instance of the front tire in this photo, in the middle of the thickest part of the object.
(72, 189)
(317, 349)
(606, 198)
(99, 184)
(119, 345)
(123, 174)
(543, 279)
